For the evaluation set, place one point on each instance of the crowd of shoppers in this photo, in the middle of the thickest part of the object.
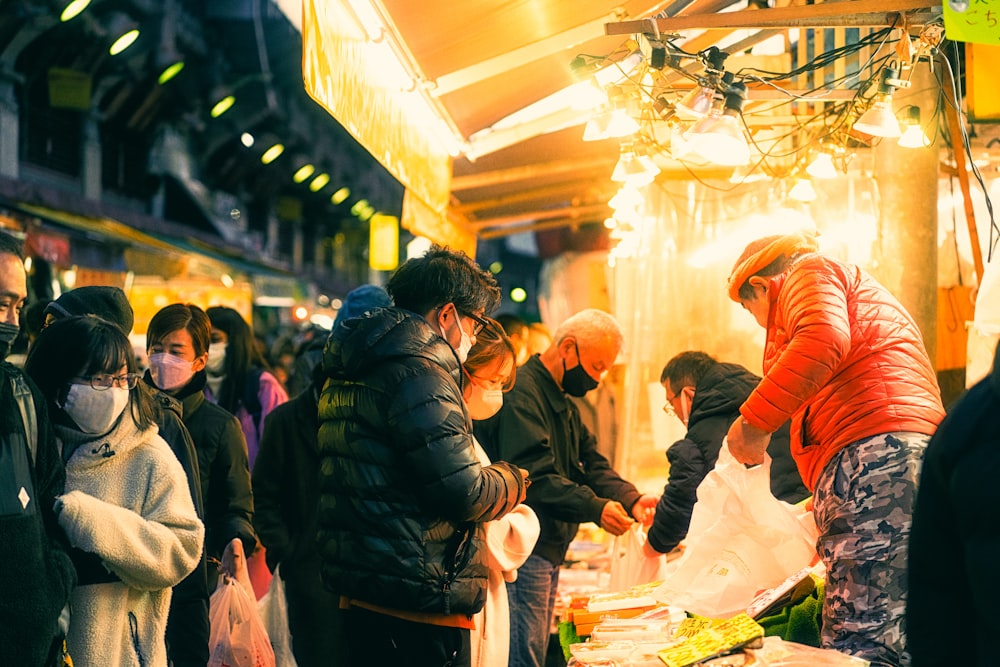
(418, 496)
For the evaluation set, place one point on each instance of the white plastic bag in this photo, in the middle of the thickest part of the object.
(630, 566)
(987, 313)
(237, 637)
(273, 608)
(742, 540)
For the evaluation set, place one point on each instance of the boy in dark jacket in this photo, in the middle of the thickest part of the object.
(706, 396)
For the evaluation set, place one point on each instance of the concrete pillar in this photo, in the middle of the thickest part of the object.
(9, 129)
(908, 194)
(298, 242)
(319, 250)
(91, 169)
(272, 242)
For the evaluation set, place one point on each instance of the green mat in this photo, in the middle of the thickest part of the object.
(799, 623)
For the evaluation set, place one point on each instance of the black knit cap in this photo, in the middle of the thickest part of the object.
(109, 303)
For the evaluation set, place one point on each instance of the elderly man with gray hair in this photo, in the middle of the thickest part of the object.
(539, 429)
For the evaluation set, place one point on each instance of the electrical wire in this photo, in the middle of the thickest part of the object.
(967, 147)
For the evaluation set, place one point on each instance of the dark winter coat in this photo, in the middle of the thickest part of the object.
(539, 429)
(38, 575)
(286, 491)
(402, 490)
(225, 471)
(187, 624)
(952, 614)
(716, 405)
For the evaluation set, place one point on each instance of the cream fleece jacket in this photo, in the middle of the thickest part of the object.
(509, 541)
(128, 502)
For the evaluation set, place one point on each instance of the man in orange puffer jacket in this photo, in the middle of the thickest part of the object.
(846, 362)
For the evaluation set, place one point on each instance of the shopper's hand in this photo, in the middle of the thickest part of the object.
(649, 551)
(614, 518)
(524, 487)
(644, 509)
(747, 443)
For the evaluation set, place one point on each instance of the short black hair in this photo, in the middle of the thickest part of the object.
(687, 369)
(11, 246)
(442, 276)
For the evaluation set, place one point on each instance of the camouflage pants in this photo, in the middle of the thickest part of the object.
(863, 504)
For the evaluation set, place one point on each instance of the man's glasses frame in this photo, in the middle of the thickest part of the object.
(480, 323)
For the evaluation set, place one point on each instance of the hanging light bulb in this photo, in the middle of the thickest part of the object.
(879, 120)
(913, 136)
(627, 199)
(822, 166)
(610, 124)
(802, 190)
(696, 104)
(718, 138)
(634, 168)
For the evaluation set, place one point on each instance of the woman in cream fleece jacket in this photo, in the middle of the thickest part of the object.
(127, 510)
(489, 372)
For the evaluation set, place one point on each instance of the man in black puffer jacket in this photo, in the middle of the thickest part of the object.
(402, 493)
(952, 614)
(706, 396)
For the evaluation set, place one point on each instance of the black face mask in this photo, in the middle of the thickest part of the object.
(576, 381)
(8, 332)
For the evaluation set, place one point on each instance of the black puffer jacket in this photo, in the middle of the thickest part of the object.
(956, 536)
(716, 405)
(402, 492)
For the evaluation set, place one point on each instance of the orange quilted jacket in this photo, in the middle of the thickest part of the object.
(843, 360)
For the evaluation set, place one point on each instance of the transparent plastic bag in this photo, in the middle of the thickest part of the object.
(237, 637)
(779, 653)
(630, 566)
(273, 608)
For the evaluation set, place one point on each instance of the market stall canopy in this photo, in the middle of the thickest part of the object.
(476, 106)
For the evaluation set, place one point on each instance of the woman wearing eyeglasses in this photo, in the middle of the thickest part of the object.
(489, 372)
(126, 511)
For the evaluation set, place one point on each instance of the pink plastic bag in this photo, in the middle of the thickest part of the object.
(237, 637)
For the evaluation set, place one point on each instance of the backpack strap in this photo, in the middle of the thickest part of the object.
(25, 403)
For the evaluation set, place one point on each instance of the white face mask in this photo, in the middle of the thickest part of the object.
(95, 411)
(464, 345)
(484, 403)
(216, 358)
(169, 371)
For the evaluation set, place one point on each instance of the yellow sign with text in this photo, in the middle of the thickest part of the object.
(975, 21)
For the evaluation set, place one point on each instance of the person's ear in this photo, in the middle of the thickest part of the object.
(758, 281)
(200, 362)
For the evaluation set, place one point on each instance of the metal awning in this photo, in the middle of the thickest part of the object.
(478, 63)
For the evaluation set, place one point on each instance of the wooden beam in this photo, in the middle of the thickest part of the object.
(854, 13)
(500, 232)
(527, 195)
(529, 172)
(575, 212)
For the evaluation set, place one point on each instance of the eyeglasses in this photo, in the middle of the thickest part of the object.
(102, 382)
(480, 323)
(668, 407)
(492, 385)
